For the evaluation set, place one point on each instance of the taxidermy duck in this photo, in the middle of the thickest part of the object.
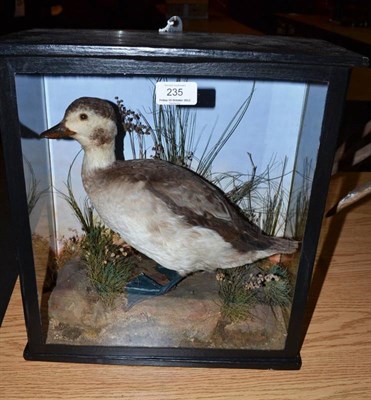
(167, 212)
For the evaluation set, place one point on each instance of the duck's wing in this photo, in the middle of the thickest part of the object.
(187, 193)
(201, 203)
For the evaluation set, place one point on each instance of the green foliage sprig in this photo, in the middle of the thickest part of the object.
(240, 289)
(32, 185)
(107, 265)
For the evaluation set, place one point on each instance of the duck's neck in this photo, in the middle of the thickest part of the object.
(98, 157)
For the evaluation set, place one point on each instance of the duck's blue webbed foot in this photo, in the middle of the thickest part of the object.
(142, 287)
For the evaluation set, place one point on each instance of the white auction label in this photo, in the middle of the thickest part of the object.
(176, 93)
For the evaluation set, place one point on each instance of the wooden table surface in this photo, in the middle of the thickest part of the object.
(336, 352)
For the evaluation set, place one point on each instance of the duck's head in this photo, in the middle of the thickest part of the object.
(89, 120)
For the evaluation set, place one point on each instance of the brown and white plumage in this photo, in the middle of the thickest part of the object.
(167, 212)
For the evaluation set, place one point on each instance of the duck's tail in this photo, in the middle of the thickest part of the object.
(285, 246)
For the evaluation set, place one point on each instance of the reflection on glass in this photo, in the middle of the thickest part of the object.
(255, 140)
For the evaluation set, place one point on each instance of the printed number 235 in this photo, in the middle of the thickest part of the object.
(177, 92)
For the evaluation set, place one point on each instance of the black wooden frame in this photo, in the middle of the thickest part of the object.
(134, 53)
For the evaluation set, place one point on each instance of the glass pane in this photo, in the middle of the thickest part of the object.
(181, 266)
(31, 108)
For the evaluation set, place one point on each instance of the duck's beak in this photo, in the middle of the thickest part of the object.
(58, 131)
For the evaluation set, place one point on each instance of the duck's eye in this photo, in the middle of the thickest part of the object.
(83, 117)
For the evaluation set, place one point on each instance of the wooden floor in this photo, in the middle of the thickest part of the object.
(336, 353)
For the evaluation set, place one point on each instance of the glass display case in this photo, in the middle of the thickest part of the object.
(176, 219)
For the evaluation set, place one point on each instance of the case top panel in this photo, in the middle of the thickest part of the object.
(197, 46)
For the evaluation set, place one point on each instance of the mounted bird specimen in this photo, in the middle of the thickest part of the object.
(167, 212)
